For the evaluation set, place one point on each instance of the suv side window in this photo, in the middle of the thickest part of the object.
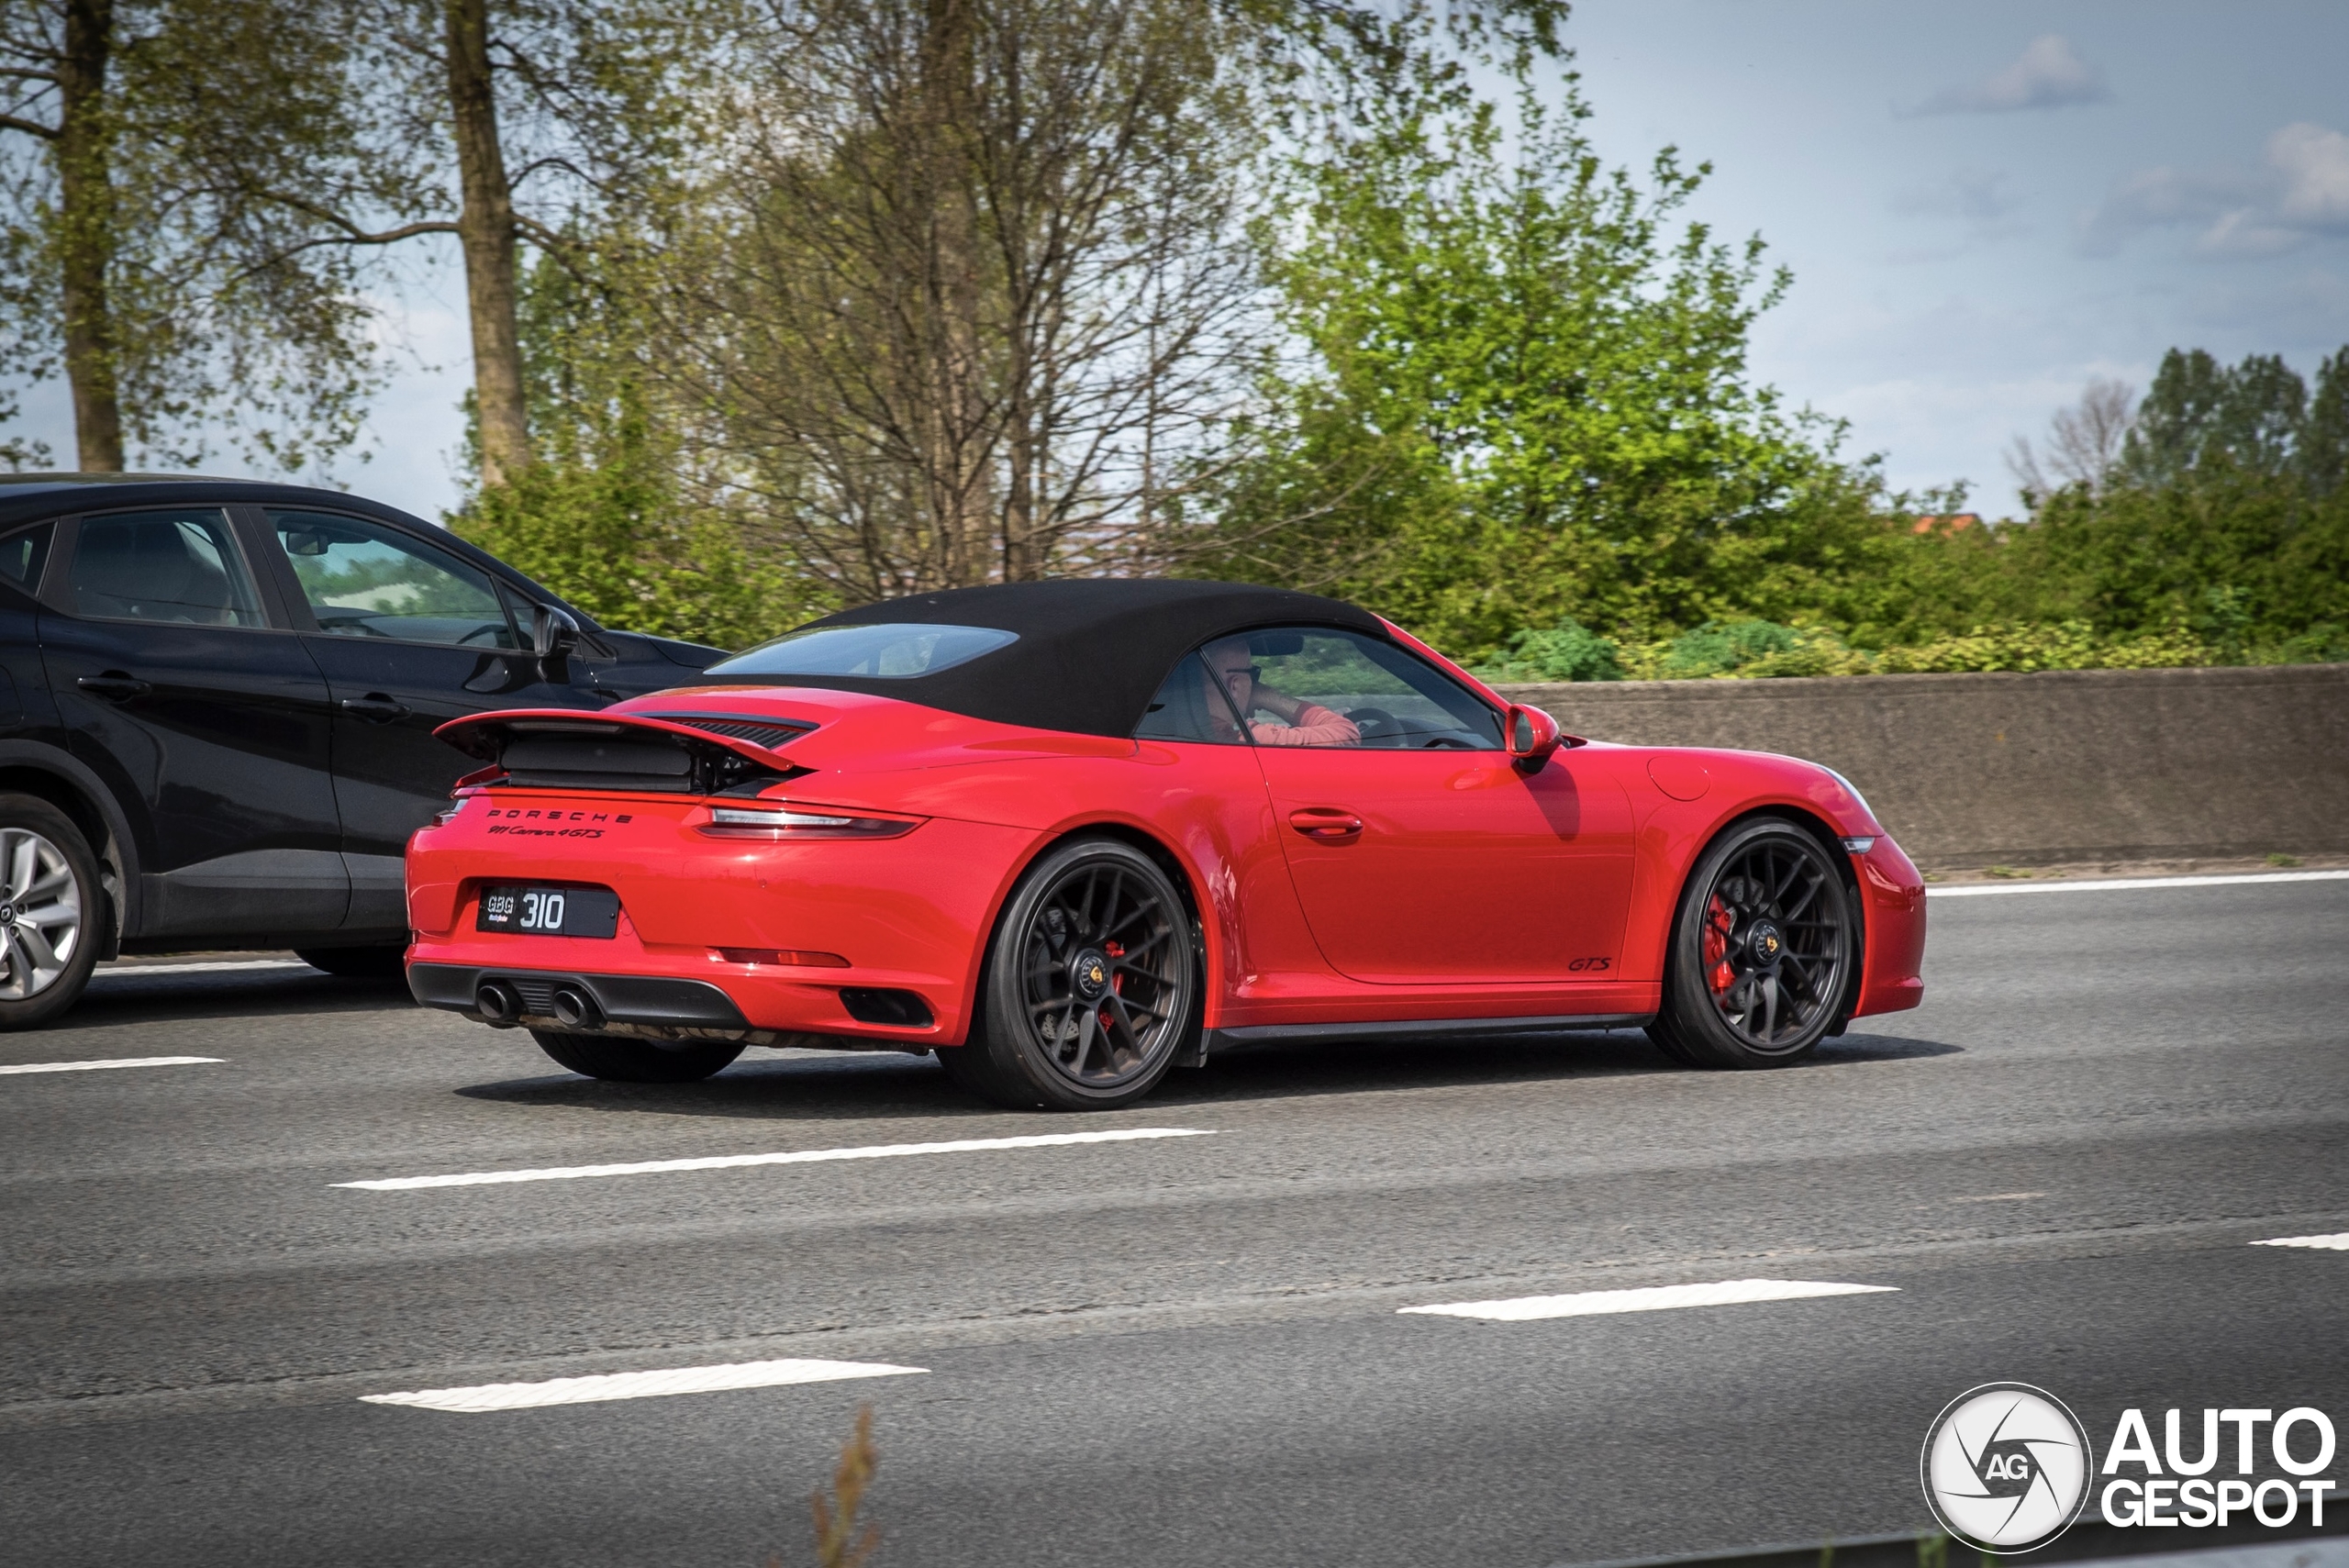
(23, 554)
(363, 579)
(178, 567)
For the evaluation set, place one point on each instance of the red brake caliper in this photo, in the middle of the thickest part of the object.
(1718, 923)
(1116, 982)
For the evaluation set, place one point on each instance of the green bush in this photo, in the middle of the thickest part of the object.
(1568, 651)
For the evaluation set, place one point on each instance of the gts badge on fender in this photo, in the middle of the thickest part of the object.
(1591, 966)
(539, 823)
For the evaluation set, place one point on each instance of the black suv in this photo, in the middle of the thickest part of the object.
(217, 705)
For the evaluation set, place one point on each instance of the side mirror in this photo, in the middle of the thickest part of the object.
(1532, 737)
(553, 637)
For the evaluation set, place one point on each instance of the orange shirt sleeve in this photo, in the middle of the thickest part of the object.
(1315, 726)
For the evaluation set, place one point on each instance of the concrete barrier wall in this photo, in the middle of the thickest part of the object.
(2075, 766)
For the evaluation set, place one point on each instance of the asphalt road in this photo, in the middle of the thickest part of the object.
(1163, 1351)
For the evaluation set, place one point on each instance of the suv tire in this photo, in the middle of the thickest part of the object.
(53, 911)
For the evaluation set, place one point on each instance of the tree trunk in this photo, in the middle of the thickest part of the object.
(85, 233)
(486, 228)
(959, 449)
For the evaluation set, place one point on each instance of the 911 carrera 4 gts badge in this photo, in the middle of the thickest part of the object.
(555, 823)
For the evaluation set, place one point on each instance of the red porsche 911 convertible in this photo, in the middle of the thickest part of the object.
(1069, 834)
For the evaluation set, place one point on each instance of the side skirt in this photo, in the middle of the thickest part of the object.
(1222, 1042)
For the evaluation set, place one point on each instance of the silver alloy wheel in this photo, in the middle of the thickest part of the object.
(40, 917)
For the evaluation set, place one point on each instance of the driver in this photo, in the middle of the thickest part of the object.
(1305, 723)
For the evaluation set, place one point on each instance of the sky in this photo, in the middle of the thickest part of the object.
(1984, 207)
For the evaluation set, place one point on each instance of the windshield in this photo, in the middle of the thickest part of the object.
(886, 651)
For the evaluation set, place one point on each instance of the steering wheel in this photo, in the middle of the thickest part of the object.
(1447, 743)
(1376, 724)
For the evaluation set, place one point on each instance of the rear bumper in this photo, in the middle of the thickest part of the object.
(651, 1004)
(902, 918)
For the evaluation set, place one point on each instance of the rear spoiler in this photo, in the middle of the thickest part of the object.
(697, 753)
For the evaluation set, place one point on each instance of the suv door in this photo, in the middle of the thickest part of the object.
(410, 636)
(209, 722)
(1418, 850)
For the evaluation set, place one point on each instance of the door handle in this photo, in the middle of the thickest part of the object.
(374, 707)
(1325, 824)
(114, 685)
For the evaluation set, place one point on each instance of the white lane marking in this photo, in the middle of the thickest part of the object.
(636, 1384)
(222, 966)
(116, 1061)
(2129, 884)
(793, 1157)
(1595, 1303)
(2336, 1242)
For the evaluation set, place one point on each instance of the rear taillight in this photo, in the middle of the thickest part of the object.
(787, 820)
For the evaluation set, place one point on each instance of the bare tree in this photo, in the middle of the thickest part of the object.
(968, 291)
(526, 120)
(164, 162)
(2084, 442)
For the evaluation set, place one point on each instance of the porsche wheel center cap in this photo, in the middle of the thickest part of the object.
(1088, 973)
(1766, 941)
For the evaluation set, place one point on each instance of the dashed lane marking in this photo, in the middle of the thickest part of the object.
(2129, 884)
(2336, 1242)
(1597, 1303)
(487, 1396)
(793, 1157)
(113, 1062)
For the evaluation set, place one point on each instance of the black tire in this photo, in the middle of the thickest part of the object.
(357, 963)
(1761, 951)
(624, 1058)
(1091, 986)
(53, 912)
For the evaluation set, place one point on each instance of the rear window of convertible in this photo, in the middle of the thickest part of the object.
(883, 651)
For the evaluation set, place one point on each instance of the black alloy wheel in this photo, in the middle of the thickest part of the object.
(1092, 985)
(1761, 952)
(624, 1058)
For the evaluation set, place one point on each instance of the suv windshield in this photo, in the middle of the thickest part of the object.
(892, 650)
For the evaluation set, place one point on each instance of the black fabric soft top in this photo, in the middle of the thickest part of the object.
(1091, 651)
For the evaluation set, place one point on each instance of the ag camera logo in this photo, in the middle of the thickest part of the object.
(2005, 1467)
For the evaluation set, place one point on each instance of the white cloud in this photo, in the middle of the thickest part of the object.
(1977, 198)
(2301, 194)
(1974, 194)
(2048, 74)
(2314, 163)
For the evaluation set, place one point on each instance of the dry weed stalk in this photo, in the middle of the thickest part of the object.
(839, 1543)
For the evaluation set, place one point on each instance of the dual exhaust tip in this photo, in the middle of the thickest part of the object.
(501, 1004)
